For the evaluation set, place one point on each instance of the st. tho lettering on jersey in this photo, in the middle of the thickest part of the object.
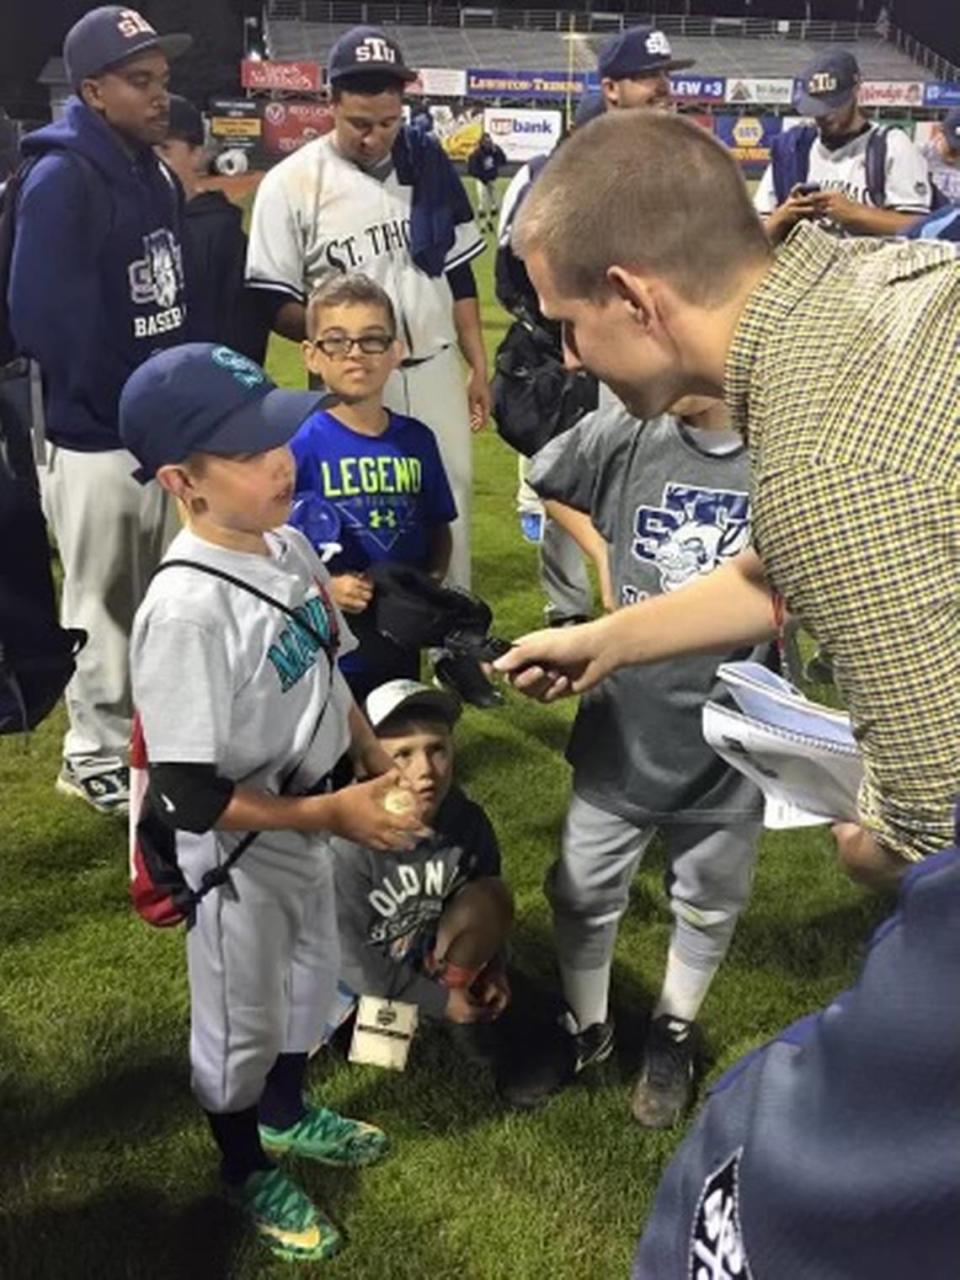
(348, 253)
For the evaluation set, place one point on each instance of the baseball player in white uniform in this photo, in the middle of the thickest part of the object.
(344, 202)
(635, 69)
(832, 184)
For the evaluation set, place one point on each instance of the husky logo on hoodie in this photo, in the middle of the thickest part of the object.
(157, 277)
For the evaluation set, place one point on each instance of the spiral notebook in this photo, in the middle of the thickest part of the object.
(801, 755)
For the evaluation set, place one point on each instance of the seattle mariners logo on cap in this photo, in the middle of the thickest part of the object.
(244, 370)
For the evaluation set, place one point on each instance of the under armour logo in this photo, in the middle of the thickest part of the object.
(375, 49)
(657, 44)
(379, 518)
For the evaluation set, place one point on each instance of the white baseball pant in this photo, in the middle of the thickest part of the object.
(263, 959)
(486, 200)
(111, 533)
(436, 393)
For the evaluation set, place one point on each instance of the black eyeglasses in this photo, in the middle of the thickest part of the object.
(371, 344)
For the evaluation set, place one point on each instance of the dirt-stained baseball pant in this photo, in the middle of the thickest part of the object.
(436, 393)
(111, 533)
(263, 960)
(710, 870)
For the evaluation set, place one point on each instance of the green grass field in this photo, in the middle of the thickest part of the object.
(106, 1169)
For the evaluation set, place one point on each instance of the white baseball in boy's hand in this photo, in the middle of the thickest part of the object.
(398, 800)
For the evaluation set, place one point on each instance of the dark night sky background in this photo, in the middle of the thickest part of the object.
(33, 30)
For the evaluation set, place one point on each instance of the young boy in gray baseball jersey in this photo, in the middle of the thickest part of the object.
(244, 713)
(656, 504)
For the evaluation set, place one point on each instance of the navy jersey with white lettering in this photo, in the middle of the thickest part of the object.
(384, 495)
(388, 902)
(96, 279)
(833, 1152)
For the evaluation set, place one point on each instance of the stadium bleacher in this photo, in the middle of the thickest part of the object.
(722, 55)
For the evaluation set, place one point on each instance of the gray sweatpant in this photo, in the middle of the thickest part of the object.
(708, 880)
(111, 533)
(263, 959)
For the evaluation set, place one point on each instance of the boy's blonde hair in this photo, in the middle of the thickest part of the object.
(355, 289)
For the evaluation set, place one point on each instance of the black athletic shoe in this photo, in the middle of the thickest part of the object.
(665, 1086)
(465, 677)
(594, 1045)
(552, 1062)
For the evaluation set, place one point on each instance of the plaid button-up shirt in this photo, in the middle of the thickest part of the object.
(844, 375)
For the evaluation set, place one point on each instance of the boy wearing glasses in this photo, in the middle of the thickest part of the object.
(368, 479)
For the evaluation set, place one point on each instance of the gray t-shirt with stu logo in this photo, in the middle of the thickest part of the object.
(670, 512)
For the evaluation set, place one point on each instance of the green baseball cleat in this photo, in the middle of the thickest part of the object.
(285, 1218)
(330, 1138)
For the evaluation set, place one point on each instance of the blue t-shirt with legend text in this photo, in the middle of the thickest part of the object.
(380, 497)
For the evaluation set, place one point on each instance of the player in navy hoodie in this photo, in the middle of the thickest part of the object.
(97, 286)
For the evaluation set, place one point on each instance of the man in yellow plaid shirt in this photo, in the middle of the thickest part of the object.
(840, 362)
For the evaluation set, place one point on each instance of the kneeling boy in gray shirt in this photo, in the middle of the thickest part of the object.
(428, 924)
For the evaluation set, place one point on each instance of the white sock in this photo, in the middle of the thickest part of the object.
(684, 989)
(585, 991)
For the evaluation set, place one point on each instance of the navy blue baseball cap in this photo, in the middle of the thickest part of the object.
(639, 51)
(205, 398)
(589, 107)
(950, 124)
(186, 122)
(828, 83)
(111, 34)
(367, 50)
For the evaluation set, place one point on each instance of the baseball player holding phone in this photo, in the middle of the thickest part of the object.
(849, 174)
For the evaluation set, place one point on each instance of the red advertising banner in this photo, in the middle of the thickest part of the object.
(288, 125)
(890, 93)
(286, 77)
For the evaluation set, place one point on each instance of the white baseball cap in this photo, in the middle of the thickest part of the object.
(396, 695)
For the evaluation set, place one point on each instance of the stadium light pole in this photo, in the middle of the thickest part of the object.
(571, 35)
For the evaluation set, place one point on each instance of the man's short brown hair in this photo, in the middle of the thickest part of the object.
(354, 289)
(644, 190)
